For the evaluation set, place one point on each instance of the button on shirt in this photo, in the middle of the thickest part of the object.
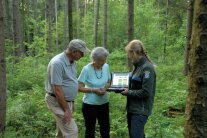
(62, 72)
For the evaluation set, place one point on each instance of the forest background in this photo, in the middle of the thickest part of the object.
(36, 30)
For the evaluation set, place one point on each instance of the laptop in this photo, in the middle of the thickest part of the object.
(119, 81)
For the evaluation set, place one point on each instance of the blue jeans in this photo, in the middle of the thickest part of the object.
(99, 112)
(136, 125)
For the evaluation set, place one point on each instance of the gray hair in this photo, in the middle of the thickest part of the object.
(99, 52)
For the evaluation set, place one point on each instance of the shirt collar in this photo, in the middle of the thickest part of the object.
(67, 61)
(140, 62)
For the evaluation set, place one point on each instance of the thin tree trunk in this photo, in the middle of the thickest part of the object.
(105, 25)
(2, 74)
(56, 22)
(96, 23)
(166, 29)
(49, 21)
(77, 18)
(65, 24)
(196, 108)
(23, 23)
(130, 25)
(85, 12)
(27, 28)
(6, 10)
(18, 49)
(35, 17)
(70, 19)
(188, 36)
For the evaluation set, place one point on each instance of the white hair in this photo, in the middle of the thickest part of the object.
(99, 52)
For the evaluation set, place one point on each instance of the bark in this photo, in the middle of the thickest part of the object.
(196, 106)
(56, 22)
(2, 74)
(77, 18)
(27, 28)
(49, 22)
(18, 43)
(65, 25)
(188, 36)
(70, 19)
(166, 29)
(35, 5)
(130, 25)
(105, 25)
(96, 23)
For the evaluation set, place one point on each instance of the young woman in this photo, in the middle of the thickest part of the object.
(141, 91)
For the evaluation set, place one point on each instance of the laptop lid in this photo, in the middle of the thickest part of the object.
(120, 79)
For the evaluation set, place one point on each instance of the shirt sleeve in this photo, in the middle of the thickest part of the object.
(56, 72)
(83, 75)
(108, 72)
(148, 84)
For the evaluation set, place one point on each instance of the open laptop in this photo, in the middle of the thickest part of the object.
(119, 81)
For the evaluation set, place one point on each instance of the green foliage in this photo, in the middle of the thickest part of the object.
(27, 114)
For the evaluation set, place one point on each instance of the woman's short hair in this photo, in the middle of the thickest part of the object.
(98, 53)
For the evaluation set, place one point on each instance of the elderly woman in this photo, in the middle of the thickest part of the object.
(93, 81)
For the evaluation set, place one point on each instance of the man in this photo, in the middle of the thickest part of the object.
(62, 86)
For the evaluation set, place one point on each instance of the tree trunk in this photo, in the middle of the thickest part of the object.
(7, 24)
(105, 25)
(188, 35)
(2, 73)
(49, 22)
(27, 26)
(18, 50)
(70, 19)
(77, 18)
(56, 23)
(35, 5)
(196, 108)
(65, 25)
(166, 29)
(96, 23)
(130, 25)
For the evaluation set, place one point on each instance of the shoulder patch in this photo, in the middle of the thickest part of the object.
(146, 74)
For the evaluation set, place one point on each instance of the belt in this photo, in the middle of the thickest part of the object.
(53, 95)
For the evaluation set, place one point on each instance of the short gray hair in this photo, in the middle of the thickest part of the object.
(99, 52)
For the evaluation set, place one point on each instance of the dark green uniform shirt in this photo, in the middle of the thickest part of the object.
(142, 85)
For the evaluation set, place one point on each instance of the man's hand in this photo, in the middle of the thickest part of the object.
(67, 116)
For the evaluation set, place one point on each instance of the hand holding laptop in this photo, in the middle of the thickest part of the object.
(101, 91)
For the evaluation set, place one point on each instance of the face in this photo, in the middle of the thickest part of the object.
(78, 55)
(133, 56)
(98, 63)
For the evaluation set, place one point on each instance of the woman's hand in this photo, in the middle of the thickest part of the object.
(101, 91)
(124, 92)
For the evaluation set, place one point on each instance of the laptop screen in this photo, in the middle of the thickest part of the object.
(120, 79)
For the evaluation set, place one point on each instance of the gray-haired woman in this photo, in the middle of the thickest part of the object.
(93, 81)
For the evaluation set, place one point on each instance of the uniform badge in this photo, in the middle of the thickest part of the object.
(146, 74)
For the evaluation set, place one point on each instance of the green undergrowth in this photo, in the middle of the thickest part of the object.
(28, 116)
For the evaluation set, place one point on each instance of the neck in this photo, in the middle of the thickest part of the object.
(69, 55)
(95, 67)
(137, 59)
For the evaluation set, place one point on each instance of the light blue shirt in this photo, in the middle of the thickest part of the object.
(63, 73)
(95, 79)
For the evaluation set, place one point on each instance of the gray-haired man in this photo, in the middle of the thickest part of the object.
(62, 86)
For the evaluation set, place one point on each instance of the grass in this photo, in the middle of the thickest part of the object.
(28, 116)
